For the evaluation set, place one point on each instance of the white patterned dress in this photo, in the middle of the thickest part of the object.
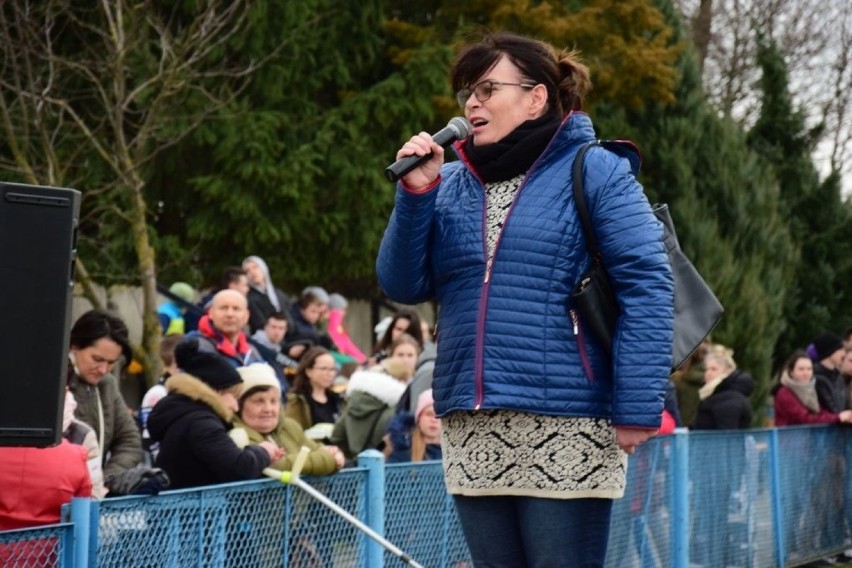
(506, 452)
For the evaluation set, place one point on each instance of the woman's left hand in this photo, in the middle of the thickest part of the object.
(334, 451)
(629, 439)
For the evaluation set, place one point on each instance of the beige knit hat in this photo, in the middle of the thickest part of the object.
(258, 375)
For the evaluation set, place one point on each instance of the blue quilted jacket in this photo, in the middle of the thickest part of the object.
(509, 337)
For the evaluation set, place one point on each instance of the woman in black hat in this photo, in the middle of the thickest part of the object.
(192, 421)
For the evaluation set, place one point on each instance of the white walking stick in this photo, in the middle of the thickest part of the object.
(292, 478)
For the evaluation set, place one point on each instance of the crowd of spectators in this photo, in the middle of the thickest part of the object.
(251, 376)
(813, 387)
(304, 382)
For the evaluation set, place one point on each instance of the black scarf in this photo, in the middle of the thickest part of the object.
(514, 154)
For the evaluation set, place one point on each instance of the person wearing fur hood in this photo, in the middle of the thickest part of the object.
(372, 397)
(192, 422)
(796, 399)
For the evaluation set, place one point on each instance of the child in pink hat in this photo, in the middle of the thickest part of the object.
(415, 437)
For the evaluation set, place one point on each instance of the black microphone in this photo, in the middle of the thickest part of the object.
(457, 129)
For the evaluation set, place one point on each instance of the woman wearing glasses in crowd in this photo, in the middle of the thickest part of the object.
(311, 400)
(537, 419)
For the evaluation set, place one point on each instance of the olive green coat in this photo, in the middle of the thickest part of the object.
(290, 436)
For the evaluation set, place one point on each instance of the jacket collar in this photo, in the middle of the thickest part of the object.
(576, 128)
(197, 390)
(223, 344)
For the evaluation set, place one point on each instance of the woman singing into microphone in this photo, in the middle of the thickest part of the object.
(537, 420)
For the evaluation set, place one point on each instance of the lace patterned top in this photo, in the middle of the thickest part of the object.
(505, 452)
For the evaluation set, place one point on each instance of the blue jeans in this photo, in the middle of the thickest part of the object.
(532, 532)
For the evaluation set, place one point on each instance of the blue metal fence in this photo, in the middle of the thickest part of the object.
(43, 546)
(757, 498)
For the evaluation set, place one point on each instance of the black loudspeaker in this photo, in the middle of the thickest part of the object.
(38, 240)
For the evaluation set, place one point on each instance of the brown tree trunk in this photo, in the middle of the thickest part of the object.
(85, 282)
(151, 333)
(701, 30)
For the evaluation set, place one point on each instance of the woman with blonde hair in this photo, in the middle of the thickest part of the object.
(724, 397)
(724, 405)
(406, 348)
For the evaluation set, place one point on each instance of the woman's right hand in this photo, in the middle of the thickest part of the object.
(296, 351)
(425, 174)
(275, 453)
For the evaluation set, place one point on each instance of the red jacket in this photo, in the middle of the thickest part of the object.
(35, 483)
(789, 411)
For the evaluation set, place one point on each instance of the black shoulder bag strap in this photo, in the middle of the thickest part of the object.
(696, 308)
(580, 201)
(593, 296)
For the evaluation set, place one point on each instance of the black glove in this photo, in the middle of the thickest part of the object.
(140, 480)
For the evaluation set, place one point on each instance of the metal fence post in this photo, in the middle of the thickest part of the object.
(775, 491)
(680, 499)
(84, 512)
(374, 461)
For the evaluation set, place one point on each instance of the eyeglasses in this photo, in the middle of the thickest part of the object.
(484, 89)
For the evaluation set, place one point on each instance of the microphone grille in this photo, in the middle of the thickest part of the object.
(461, 125)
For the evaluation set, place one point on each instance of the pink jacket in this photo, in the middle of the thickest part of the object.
(340, 336)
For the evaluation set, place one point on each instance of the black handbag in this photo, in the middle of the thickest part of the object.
(696, 309)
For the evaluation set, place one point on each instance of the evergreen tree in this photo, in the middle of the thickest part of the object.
(724, 201)
(292, 171)
(816, 215)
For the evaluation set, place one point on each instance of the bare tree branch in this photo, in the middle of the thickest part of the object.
(814, 39)
(103, 82)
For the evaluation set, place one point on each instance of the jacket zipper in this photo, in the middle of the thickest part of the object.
(581, 345)
(483, 302)
(489, 265)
